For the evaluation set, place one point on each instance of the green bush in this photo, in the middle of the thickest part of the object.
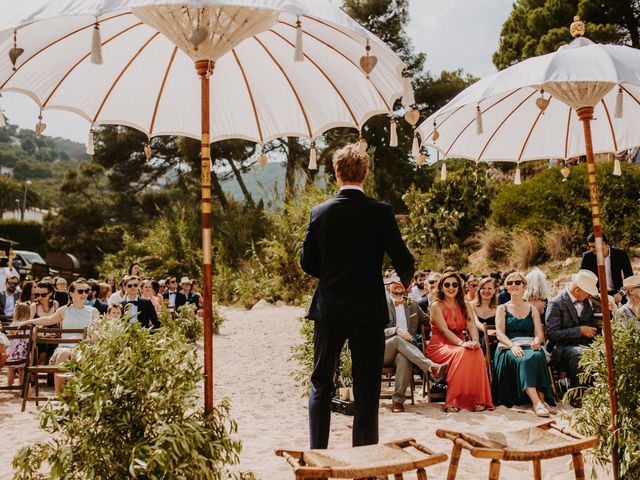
(132, 412)
(594, 417)
(187, 323)
(29, 235)
(540, 204)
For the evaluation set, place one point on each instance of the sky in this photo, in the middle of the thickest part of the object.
(453, 33)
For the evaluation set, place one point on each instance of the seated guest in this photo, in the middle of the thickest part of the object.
(74, 315)
(190, 297)
(467, 380)
(537, 293)
(44, 306)
(117, 297)
(405, 317)
(419, 289)
(114, 312)
(9, 297)
(172, 297)
(4, 344)
(471, 287)
(60, 295)
(148, 293)
(629, 312)
(18, 347)
(134, 269)
(139, 309)
(520, 363)
(503, 294)
(26, 293)
(432, 291)
(93, 300)
(570, 323)
(485, 305)
(105, 293)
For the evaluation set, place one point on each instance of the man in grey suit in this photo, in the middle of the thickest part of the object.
(405, 317)
(570, 323)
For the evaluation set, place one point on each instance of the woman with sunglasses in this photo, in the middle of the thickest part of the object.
(521, 373)
(467, 381)
(471, 286)
(74, 315)
(43, 306)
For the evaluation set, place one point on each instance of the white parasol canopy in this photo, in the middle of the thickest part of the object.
(516, 129)
(147, 79)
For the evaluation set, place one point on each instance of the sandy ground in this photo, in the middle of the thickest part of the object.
(252, 370)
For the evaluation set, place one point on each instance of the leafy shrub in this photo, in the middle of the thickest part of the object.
(187, 323)
(132, 411)
(594, 417)
(543, 202)
(526, 250)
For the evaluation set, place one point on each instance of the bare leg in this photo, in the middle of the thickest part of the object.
(11, 373)
(60, 380)
(532, 393)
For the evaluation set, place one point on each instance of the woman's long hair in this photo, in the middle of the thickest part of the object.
(493, 303)
(459, 298)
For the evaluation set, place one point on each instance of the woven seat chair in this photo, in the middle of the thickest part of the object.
(393, 458)
(18, 333)
(536, 443)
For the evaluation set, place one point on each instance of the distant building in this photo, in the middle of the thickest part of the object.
(7, 171)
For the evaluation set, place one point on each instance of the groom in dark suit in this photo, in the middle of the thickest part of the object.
(344, 247)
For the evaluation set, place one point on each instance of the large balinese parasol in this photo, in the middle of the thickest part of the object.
(265, 69)
(529, 111)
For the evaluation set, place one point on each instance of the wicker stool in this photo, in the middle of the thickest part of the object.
(391, 458)
(536, 443)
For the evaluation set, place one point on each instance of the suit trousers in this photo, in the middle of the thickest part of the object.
(404, 355)
(366, 343)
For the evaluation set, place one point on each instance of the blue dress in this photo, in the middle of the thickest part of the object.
(514, 374)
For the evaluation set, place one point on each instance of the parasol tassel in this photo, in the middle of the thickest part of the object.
(617, 113)
(415, 147)
(262, 160)
(617, 169)
(517, 179)
(299, 55)
(362, 144)
(479, 129)
(90, 147)
(147, 150)
(443, 172)
(393, 141)
(40, 126)
(313, 157)
(408, 97)
(96, 46)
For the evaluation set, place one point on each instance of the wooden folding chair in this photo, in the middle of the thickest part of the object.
(427, 378)
(24, 333)
(33, 371)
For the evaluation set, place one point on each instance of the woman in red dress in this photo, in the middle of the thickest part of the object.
(467, 381)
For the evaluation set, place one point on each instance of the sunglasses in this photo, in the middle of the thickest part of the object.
(42, 295)
(515, 282)
(83, 291)
(451, 285)
(473, 285)
(132, 285)
(13, 284)
(433, 282)
(173, 281)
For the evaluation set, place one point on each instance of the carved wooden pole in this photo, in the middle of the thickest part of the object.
(204, 68)
(586, 115)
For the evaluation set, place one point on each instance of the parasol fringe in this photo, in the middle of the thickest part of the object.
(408, 97)
(90, 146)
(479, 129)
(517, 180)
(96, 45)
(147, 149)
(299, 54)
(313, 157)
(617, 113)
(617, 168)
(393, 141)
(443, 171)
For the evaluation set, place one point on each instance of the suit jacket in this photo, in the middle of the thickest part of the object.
(101, 306)
(3, 302)
(413, 313)
(147, 315)
(344, 247)
(620, 265)
(180, 298)
(562, 323)
(192, 298)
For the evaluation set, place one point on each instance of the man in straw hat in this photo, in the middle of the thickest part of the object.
(344, 247)
(570, 323)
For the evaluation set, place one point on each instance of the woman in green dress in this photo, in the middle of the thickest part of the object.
(520, 364)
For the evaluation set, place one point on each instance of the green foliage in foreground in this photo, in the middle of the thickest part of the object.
(594, 418)
(132, 412)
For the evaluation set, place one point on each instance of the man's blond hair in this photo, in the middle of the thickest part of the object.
(351, 165)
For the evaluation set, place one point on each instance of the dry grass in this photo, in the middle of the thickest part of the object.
(557, 243)
(494, 245)
(526, 250)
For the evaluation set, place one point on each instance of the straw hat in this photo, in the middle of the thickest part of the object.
(184, 280)
(631, 282)
(587, 281)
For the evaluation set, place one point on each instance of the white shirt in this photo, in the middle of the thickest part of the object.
(418, 294)
(10, 303)
(116, 298)
(401, 318)
(607, 271)
(579, 306)
(351, 187)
